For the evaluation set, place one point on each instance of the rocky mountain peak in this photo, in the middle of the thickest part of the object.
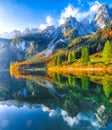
(26, 31)
(85, 22)
(70, 19)
(103, 16)
(70, 24)
(49, 29)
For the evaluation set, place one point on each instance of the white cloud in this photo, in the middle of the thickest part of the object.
(94, 6)
(49, 22)
(76, 121)
(75, 12)
(67, 12)
(50, 111)
(42, 26)
(71, 121)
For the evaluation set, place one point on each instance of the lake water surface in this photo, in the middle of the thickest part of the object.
(51, 101)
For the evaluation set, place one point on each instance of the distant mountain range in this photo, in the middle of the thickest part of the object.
(22, 45)
(84, 27)
(17, 33)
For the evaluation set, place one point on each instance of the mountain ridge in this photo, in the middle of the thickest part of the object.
(100, 20)
(53, 38)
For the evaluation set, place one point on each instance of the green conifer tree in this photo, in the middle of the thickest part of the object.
(58, 60)
(73, 55)
(85, 56)
(55, 61)
(107, 51)
(69, 57)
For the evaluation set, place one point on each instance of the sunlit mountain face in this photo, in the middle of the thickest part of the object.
(30, 17)
(72, 20)
(55, 65)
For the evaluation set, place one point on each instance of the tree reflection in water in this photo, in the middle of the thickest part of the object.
(73, 94)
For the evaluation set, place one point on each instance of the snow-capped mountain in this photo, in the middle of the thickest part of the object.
(71, 28)
(49, 30)
(32, 41)
(70, 23)
(17, 33)
(9, 54)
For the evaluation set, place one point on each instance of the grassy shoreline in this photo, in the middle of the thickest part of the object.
(99, 69)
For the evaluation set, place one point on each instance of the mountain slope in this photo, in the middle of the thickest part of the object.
(103, 16)
(72, 34)
(94, 42)
(8, 54)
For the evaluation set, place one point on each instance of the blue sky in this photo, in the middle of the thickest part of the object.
(19, 14)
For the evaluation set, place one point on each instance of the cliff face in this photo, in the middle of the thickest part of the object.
(103, 16)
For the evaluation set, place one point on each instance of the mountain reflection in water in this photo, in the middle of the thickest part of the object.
(51, 101)
(15, 115)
